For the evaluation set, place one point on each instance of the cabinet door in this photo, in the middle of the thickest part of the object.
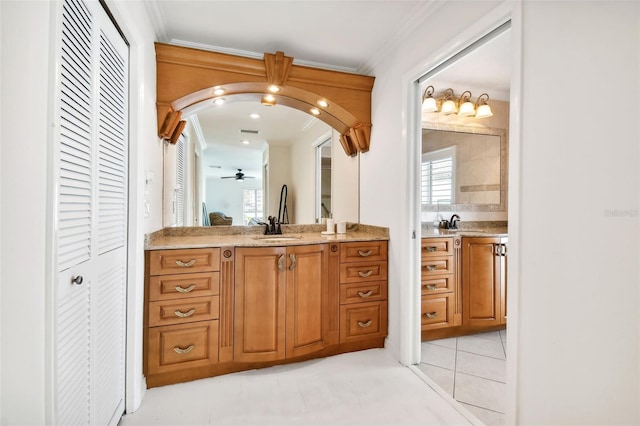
(307, 296)
(259, 331)
(481, 286)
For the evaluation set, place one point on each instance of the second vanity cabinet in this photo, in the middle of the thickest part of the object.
(484, 285)
(463, 285)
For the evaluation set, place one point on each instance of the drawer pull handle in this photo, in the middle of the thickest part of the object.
(181, 289)
(365, 295)
(431, 286)
(185, 314)
(431, 267)
(185, 264)
(431, 315)
(365, 274)
(431, 249)
(186, 350)
(364, 253)
(364, 324)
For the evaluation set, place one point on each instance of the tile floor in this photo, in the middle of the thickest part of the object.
(472, 370)
(364, 388)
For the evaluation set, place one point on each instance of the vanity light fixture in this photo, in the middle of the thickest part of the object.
(315, 111)
(274, 89)
(217, 90)
(467, 109)
(483, 108)
(268, 100)
(428, 101)
(448, 104)
(323, 103)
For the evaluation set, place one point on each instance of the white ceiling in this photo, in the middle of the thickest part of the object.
(344, 35)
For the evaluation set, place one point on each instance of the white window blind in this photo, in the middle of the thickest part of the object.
(179, 191)
(251, 205)
(438, 176)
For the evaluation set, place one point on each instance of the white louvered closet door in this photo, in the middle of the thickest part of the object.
(90, 168)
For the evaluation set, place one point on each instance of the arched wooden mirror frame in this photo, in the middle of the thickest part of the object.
(187, 80)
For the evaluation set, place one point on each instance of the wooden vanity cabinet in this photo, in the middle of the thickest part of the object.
(212, 311)
(182, 311)
(484, 281)
(281, 302)
(363, 291)
(438, 283)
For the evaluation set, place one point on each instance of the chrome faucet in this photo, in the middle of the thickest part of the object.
(453, 222)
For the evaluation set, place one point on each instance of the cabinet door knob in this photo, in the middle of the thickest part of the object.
(77, 280)
(181, 289)
(186, 350)
(365, 274)
(185, 264)
(364, 324)
(431, 315)
(187, 314)
(365, 295)
(364, 253)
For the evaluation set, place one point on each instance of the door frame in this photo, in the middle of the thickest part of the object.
(410, 350)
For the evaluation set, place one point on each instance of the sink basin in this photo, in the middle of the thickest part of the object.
(276, 238)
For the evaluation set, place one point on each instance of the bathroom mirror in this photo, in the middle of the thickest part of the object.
(276, 148)
(464, 168)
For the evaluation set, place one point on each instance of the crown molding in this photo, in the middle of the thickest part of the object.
(420, 13)
(157, 21)
(260, 56)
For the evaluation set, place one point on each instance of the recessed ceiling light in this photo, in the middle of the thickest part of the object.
(323, 103)
(315, 111)
(268, 100)
(254, 115)
(274, 89)
(246, 142)
(219, 101)
(218, 91)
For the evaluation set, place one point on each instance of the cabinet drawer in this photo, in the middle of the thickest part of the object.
(184, 261)
(358, 272)
(437, 311)
(437, 284)
(363, 292)
(436, 247)
(437, 266)
(167, 312)
(177, 347)
(363, 320)
(163, 287)
(366, 251)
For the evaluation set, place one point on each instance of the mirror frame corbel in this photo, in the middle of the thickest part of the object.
(186, 79)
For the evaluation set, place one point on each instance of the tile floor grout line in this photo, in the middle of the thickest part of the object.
(484, 408)
(480, 377)
(455, 370)
(488, 356)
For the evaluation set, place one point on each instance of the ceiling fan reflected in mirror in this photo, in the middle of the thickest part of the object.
(238, 176)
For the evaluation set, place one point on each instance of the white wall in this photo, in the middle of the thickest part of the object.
(279, 158)
(345, 183)
(25, 77)
(578, 313)
(303, 172)
(573, 338)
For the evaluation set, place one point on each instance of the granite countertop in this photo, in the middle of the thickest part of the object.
(468, 229)
(253, 236)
